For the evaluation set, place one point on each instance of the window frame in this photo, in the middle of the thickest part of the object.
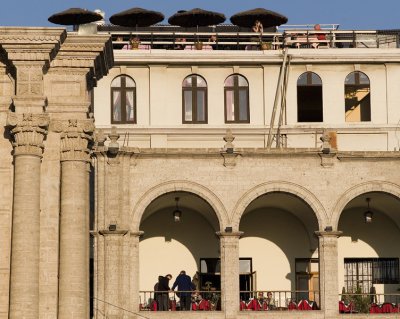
(370, 277)
(358, 85)
(309, 83)
(195, 89)
(236, 89)
(123, 90)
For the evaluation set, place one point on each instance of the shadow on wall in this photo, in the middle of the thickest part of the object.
(169, 247)
(274, 238)
(369, 240)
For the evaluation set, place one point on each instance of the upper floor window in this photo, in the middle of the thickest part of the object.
(236, 99)
(194, 99)
(309, 98)
(357, 94)
(123, 100)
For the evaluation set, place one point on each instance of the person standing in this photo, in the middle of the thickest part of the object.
(162, 292)
(185, 288)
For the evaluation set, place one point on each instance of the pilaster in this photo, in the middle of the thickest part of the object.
(134, 271)
(113, 259)
(229, 242)
(328, 271)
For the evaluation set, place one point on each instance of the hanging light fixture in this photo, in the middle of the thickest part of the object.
(368, 214)
(177, 212)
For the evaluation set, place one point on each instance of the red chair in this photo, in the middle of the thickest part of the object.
(343, 308)
(388, 307)
(254, 305)
(242, 306)
(204, 305)
(374, 308)
(304, 305)
(292, 306)
(172, 305)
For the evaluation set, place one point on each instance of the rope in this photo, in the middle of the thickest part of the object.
(118, 307)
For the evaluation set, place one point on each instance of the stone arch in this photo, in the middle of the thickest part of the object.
(178, 186)
(279, 186)
(353, 192)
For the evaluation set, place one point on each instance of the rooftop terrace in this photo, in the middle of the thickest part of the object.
(230, 37)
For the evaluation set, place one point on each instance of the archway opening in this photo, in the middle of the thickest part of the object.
(368, 258)
(169, 246)
(279, 239)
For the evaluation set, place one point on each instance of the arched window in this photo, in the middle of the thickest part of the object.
(123, 100)
(357, 95)
(194, 99)
(309, 98)
(236, 99)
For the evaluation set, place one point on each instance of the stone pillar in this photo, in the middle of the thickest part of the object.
(113, 242)
(28, 131)
(328, 272)
(229, 243)
(134, 284)
(74, 220)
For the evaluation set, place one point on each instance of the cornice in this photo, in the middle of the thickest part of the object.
(256, 58)
(31, 35)
(31, 44)
(93, 52)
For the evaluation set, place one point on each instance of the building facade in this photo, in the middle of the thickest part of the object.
(252, 170)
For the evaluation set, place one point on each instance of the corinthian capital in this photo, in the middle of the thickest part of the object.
(75, 138)
(29, 131)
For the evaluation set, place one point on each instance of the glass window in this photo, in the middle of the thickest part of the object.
(194, 99)
(236, 99)
(364, 272)
(357, 95)
(309, 98)
(123, 100)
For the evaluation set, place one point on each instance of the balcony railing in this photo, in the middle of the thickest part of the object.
(279, 300)
(369, 303)
(300, 38)
(201, 300)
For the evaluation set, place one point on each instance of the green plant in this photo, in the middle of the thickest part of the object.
(361, 302)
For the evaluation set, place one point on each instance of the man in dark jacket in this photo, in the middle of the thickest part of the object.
(185, 288)
(162, 292)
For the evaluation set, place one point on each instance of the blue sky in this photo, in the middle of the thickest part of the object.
(350, 14)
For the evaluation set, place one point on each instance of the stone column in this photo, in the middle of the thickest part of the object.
(229, 243)
(113, 242)
(134, 284)
(28, 131)
(74, 220)
(328, 272)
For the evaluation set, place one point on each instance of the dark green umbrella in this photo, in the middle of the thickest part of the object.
(75, 16)
(266, 17)
(136, 17)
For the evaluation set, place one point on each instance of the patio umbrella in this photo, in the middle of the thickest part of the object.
(266, 17)
(196, 17)
(136, 17)
(74, 16)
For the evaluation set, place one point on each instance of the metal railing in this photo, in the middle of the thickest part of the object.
(369, 303)
(200, 300)
(300, 38)
(279, 300)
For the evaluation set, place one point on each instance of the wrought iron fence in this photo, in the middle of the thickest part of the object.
(200, 300)
(279, 300)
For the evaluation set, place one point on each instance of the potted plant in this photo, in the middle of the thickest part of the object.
(134, 42)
